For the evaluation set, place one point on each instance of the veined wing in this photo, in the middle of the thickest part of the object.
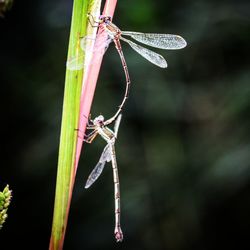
(101, 43)
(96, 172)
(76, 63)
(161, 41)
(148, 54)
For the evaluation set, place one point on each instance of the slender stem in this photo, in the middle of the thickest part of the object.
(70, 118)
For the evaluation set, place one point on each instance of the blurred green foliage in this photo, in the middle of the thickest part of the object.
(5, 198)
(4, 6)
(183, 148)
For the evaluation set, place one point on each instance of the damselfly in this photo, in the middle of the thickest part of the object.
(161, 41)
(99, 126)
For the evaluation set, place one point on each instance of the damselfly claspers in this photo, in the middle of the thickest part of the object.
(99, 126)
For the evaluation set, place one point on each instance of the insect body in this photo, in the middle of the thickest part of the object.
(99, 126)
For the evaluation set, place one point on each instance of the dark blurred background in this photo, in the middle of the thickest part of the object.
(184, 147)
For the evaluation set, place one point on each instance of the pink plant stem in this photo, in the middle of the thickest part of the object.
(89, 84)
(88, 89)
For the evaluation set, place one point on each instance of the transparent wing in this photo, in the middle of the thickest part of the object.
(75, 63)
(161, 41)
(101, 43)
(96, 172)
(148, 54)
(86, 41)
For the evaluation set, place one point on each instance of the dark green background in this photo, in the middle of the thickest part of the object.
(184, 147)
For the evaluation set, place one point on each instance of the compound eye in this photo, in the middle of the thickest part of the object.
(101, 118)
(101, 18)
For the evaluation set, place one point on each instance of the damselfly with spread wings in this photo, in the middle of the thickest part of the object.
(161, 41)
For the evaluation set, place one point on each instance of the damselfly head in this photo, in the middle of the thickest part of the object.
(104, 19)
(99, 120)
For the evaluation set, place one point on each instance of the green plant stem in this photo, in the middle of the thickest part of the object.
(70, 117)
(78, 96)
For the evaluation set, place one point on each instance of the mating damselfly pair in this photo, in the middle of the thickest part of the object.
(99, 125)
